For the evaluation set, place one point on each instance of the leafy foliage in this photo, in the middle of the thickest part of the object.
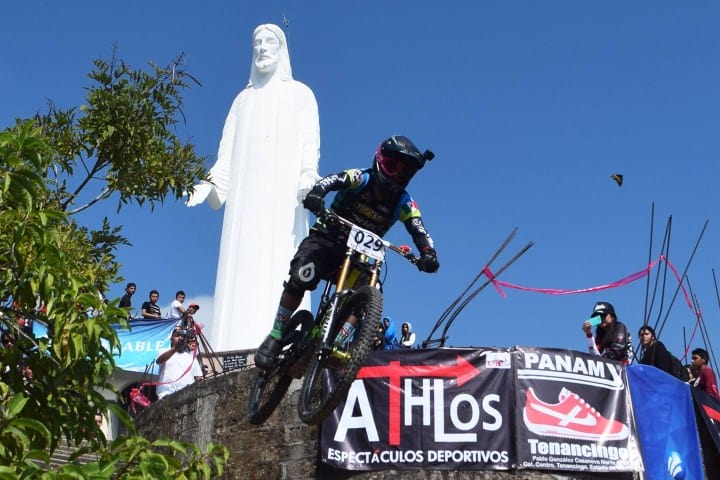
(55, 269)
(123, 140)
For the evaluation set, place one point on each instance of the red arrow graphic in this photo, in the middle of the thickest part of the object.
(462, 372)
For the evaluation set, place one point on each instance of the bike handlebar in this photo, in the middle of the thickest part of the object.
(402, 250)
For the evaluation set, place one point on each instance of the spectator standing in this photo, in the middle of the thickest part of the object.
(177, 310)
(126, 300)
(407, 336)
(705, 377)
(612, 339)
(188, 320)
(178, 365)
(653, 350)
(390, 333)
(150, 309)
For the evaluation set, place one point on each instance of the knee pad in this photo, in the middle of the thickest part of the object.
(303, 276)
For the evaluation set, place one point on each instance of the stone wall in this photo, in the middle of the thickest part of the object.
(214, 410)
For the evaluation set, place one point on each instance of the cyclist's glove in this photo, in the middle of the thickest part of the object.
(314, 202)
(428, 261)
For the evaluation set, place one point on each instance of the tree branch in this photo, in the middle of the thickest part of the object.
(101, 196)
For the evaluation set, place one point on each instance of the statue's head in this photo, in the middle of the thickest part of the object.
(270, 55)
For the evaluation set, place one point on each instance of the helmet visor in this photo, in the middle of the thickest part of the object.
(396, 167)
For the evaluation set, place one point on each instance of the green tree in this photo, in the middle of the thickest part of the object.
(50, 388)
(123, 139)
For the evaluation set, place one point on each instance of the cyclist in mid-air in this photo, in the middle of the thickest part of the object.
(372, 198)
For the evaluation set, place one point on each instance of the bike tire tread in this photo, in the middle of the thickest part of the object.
(361, 346)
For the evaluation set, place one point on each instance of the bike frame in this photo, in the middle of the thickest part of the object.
(331, 299)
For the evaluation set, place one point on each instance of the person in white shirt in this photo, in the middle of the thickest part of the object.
(178, 365)
(177, 310)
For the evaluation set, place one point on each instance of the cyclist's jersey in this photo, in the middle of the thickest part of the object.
(373, 209)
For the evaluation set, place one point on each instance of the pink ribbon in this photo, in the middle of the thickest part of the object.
(618, 283)
(491, 276)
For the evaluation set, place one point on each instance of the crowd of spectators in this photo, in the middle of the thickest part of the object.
(150, 310)
(612, 340)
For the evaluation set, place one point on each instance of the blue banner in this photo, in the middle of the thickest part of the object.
(666, 424)
(140, 345)
(145, 340)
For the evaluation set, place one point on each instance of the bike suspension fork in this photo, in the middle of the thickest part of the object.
(335, 301)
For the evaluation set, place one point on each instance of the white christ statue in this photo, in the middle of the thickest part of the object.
(267, 161)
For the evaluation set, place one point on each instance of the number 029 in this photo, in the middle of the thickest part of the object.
(367, 243)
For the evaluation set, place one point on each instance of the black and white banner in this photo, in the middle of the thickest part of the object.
(573, 413)
(441, 408)
(483, 409)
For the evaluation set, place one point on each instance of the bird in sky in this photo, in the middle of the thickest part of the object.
(618, 178)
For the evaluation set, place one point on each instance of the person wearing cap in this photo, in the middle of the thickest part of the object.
(705, 380)
(611, 339)
(187, 320)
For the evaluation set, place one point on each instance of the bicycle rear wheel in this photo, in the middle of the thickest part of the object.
(328, 379)
(268, 391)
(271, 386)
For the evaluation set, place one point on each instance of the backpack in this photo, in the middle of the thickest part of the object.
(678, 370)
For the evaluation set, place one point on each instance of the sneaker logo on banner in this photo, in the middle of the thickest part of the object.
(571, 417)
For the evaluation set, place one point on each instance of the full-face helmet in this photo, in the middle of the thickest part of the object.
(396, 161)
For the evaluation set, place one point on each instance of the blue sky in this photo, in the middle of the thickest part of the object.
(529, 106)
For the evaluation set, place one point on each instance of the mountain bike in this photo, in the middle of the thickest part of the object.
(311, 348)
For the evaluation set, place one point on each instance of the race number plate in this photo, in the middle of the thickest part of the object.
(367, 243)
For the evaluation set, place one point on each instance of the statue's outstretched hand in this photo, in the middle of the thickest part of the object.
(200, 193)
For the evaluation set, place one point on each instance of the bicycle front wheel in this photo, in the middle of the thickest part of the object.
(328, 378)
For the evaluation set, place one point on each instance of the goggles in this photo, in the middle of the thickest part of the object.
(396, 167)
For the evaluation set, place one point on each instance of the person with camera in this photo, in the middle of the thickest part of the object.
(178, 365)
